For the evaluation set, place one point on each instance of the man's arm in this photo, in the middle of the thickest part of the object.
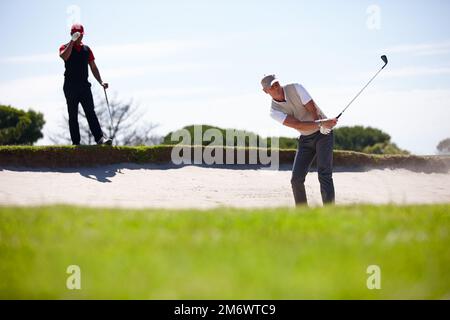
(96, 74)
(310, 105)
(67, 51)
(292, 122)
(307, 101)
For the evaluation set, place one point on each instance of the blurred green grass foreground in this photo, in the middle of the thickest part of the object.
(303, 253)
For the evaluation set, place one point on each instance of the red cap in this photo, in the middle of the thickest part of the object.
(77, 28)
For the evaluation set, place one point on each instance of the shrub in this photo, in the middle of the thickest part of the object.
(20, 127)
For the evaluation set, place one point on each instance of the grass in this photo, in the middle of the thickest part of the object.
(88, 156)
(226, 253)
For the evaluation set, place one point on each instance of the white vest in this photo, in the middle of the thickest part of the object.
(294, 107)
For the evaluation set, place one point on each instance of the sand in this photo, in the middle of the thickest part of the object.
(135, 186)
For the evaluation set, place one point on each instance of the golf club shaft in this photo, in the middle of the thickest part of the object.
(376, 74)
(109, 110)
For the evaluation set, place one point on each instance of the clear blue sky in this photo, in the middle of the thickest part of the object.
(188, 62)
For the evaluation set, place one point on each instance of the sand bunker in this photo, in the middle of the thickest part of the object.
(202, 187)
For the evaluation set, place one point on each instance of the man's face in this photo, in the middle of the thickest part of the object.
(275, 90)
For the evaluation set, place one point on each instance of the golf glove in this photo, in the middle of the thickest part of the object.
(324, 130)
(75, 36)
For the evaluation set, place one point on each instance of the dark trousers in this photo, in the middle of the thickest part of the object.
(76, 94)
(313, 146)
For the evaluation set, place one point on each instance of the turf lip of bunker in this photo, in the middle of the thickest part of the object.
(89, 156)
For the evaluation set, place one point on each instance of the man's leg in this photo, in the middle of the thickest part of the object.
(324, 149)
(302, 163)
(88, 106)
(72, 108)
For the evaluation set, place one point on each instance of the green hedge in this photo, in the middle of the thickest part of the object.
(85, 156)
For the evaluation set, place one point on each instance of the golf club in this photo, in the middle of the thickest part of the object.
(109, 110)
(385, 60)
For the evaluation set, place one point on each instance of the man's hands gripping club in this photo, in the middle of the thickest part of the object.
(326, 125)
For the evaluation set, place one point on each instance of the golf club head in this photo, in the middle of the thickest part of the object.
(385, 60)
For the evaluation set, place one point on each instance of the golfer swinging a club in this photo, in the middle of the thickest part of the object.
(293, 107)
(77, 88)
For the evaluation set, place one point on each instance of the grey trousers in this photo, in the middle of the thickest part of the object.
(313, 146)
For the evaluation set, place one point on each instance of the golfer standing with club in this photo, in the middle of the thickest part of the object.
(293, 107)
(77, 88)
